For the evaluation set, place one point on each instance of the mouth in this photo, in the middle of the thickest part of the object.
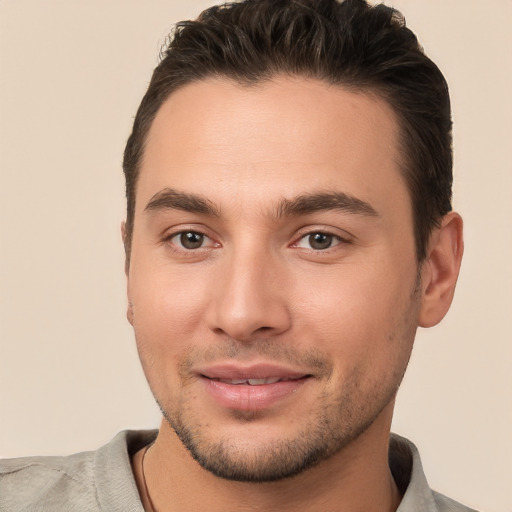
(253, 388)
(257, 382)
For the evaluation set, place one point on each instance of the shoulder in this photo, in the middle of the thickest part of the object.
(445, 504)
(91, 481)
(38, 483)
(407, 469)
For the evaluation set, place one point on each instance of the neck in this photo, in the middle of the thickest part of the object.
(357, 478)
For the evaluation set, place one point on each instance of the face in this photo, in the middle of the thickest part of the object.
(273, 281)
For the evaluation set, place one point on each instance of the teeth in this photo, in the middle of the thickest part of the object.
(256, 382)
(259, 382)
(233, 381)
(252, 382)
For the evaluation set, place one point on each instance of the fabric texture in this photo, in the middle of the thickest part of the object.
(103, 480)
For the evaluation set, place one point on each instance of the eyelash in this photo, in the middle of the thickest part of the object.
(331, 236)
(178, 245)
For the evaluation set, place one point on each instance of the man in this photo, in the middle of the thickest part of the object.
(288, 228)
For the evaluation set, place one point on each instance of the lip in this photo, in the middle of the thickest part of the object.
(253, 371)
(251, 397)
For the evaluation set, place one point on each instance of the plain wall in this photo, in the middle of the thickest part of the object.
(71, 76)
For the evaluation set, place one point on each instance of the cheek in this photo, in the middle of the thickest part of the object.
(359, 316)
(168, 306)
(168, 312)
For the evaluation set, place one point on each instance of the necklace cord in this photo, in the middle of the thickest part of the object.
(146, 491)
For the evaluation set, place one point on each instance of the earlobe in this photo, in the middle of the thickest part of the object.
(441, 269)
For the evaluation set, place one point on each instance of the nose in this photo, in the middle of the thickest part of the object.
(251, 297)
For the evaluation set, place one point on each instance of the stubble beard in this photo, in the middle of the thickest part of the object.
(325, 434)
(333, 425)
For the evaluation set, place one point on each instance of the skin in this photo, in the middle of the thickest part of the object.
(257, 289)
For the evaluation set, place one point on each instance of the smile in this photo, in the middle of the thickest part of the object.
(255, 388)
(257, 382)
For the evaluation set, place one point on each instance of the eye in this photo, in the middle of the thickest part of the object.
(190, 240)
(318, 241)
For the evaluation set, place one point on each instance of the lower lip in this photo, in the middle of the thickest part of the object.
(245, 397)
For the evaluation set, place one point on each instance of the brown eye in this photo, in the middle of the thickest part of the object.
(320, 241)
(189, 239)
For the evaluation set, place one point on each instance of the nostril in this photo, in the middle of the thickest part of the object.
(264, 329)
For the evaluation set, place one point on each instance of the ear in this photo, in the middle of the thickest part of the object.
(126, 248)
(129, 311)
(440, 270)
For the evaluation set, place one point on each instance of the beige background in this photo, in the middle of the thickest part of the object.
(72, 74)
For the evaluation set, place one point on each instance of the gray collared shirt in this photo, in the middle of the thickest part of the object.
(103, 480)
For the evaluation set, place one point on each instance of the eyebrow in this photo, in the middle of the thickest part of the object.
(170, 199)
(310, 203)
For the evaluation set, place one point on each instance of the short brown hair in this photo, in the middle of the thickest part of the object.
(351, 44)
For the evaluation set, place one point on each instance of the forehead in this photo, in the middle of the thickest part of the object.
(287, 135)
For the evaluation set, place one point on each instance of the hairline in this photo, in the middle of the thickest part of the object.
(374, 91)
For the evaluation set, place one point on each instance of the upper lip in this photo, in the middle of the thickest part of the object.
(253, 371)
